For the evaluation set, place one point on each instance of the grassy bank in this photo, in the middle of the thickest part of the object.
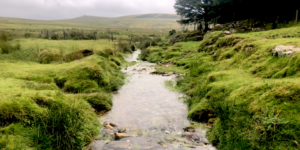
(52, 91)
(248, 97)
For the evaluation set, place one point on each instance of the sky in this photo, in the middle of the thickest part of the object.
(65, 9)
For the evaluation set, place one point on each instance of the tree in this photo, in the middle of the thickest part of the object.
(192, 11)
(225, 11)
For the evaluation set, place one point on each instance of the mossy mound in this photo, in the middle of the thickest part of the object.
(49, 56)
(248, 97)
(54, 105)
(99, 101)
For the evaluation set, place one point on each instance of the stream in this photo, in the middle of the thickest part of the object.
(147, 116)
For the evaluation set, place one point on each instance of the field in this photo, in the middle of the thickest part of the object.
(245, 94)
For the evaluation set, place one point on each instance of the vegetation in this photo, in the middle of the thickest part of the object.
(226, 11)
(51, 91)
(246, 95)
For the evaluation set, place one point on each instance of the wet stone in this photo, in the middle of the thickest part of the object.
(122, 130)
(112, 124)
(109, 127)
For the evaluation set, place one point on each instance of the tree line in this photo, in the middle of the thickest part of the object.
(225, 11)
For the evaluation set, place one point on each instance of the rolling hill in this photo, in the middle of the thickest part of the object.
(147, 23)
(133, 21)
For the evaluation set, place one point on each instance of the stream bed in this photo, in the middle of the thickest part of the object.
(147, 116)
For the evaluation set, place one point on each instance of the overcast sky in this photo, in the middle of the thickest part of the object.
(64, 9)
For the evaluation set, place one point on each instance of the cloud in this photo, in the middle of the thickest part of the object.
(65, 9)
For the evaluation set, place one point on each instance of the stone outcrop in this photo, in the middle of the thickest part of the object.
(285, 51)
(227, 32)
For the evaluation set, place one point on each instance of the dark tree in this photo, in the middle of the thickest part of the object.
(225, 11)
(193, 11)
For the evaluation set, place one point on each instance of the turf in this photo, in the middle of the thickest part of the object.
(51, 93)
(248, 97)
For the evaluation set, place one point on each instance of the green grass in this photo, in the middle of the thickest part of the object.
(53, 103)
(234, 83)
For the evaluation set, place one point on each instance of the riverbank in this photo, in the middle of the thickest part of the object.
(240, 86)
(52, 91)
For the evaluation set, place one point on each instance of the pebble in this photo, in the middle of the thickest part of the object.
(112, 124)
(109, 127)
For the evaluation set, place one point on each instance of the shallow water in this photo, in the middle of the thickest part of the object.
(153, 116)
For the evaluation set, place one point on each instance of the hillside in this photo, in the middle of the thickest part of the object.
(132, 21)
(245, 86)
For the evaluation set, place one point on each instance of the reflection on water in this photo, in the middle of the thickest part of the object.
(146, 108)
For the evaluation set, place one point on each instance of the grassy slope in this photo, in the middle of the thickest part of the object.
(137, 24)
(52, 105)
(250, 96)
(135, 21)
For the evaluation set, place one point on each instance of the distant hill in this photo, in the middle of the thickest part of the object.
(140, 23)
(132, 21)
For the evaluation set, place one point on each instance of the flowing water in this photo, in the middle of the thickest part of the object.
(152, 116)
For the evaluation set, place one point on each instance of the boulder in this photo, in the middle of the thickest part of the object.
(227, 32)
(285, 51)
